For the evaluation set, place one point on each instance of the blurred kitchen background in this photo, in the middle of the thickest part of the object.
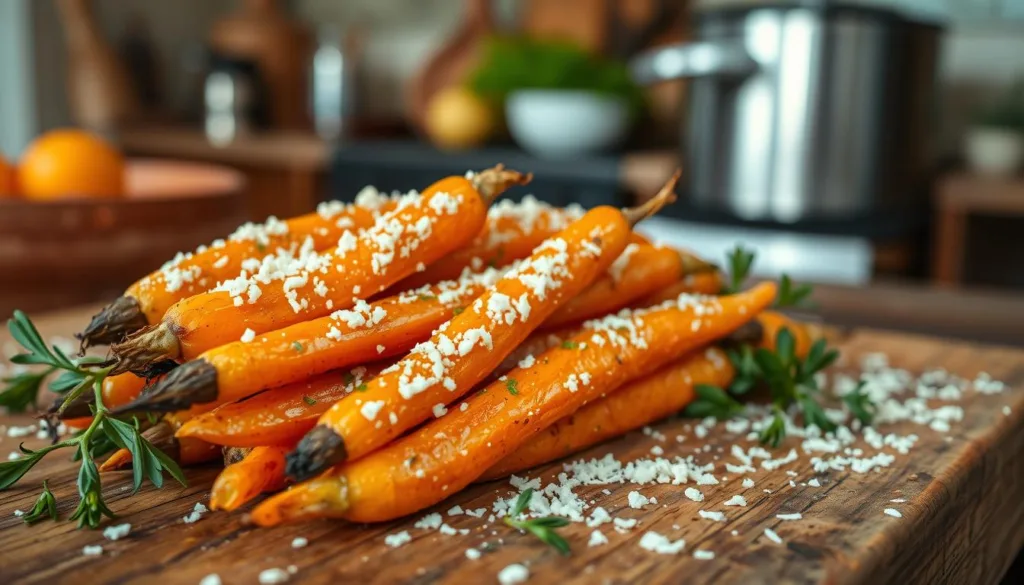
(863, 143)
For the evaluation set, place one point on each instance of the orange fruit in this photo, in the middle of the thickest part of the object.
(70, 163)
(6, 178)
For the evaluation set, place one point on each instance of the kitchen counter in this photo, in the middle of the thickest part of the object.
(957, 496)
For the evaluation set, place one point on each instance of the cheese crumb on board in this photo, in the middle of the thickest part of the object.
(772, 536)
(512, 574)
(736, 500)
(794, 516)
(196, 513)
(273, 576)
(472, 554)
(660, 544)
(694, 494)
(398, 539)
(211, 579)
(637, 500)
(299, 542)
(892, 512)
(117, 532)
(704, 555)
(597, 538)
(711, 515)
(92, 550)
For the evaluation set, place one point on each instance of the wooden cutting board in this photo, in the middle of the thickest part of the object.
(962, 520)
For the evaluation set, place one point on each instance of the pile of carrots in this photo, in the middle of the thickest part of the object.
(374, 358)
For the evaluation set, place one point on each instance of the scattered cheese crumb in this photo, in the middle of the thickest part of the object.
(715, 516)
(299, 542)
(1006, 410)
(211, 579)
(694, 494)
(813, 482)
(898, 501)
(472, 554)
(455, 511)
(624, 523)
(248, 336)
(772, 536)
(637, 500)
(92, 550)
(736, 500)
(704, 555)
(370, 409)
(512, 574)
(794, 516)
(117, 532)
(597, 538)
(273, 576)
(748, 483)
(196, 513)
(892, 512)
(660, 544)
(439, 410)
(398, 539)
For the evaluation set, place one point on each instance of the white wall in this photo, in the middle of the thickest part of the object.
(17, 95)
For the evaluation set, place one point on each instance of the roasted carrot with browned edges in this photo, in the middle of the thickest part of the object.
(146, 301)
(420, 230)
(643, 401)
(392, 326)
(449, 453)
(464, 350)
(248, 473)
(282, 415)
(511, 233)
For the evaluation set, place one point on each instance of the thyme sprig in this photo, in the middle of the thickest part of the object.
(542, 528)
(104, 432)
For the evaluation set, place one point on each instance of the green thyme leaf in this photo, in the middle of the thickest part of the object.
(91, 507)
(308, 400)
(297, 346)
(791, 295)
(361, 388)
(542, 528)
(458, 310)
(13, 470)
(712, 401)
(570, 344)
(427, 297)
(512, 386)
(775, 431)
(740, 261)
(858, 403)
(46, 505)
(147, 461)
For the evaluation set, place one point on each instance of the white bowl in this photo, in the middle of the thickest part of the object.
(994, 151)
(563, 124)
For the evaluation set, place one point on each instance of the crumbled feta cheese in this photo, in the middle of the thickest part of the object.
(248, 336)
(398, 539)
(748, 483)
(370, 409)
(736, 500)
(299, 542)
(273, 576)
(196, 513)
(794, 516)
(211, 579)
(512, 574)
(597, 538)
(704, 555)
(694, 494)
(117, 532)
(637, 500)
(472, 554)
(92, 550)
(772, 536)
(660, 544)
(892, 512)
(714, 516)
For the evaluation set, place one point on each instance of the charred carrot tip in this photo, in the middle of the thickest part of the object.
(318, 450)
(113, 323)
(653, 205)
(144, 348)
(119, 460)
(494, 181)
(188, 384)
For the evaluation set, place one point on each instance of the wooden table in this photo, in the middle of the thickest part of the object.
(957, 198)
(962, 521)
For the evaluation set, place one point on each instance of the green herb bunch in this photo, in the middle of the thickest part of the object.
(103, 434)
(514, 63)
(542, 528)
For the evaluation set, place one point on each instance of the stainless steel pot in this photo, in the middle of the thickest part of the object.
(798, 112)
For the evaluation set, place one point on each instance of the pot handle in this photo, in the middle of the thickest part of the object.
(698, 59)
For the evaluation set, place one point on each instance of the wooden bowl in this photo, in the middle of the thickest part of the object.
(73, 251)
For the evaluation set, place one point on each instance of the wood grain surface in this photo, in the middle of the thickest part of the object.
(963, 521)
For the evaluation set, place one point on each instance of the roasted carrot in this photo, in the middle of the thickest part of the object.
(146, 301)
(420, 230)
(186, 451)
(643, 401)
(117, 391)
(511, 233)
(639, 271)
(706, 282)
(634, 405)
(447, 454)
(464, 350)
(389, 327)
(280, 416)
(260, 470)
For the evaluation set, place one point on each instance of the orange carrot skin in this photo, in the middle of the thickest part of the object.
(703, 283)
(511, 232)
(328, 343)
(262, 470)
(447, 454)
(646, 270)
(117, 391)
(643, 401)
(209, 320)
(281, 416)
(585, 249)
(638, 403)
(206, 267)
